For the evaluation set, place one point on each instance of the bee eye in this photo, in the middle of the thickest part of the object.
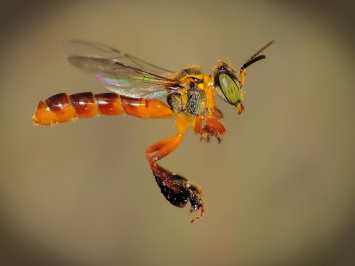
(228, 89)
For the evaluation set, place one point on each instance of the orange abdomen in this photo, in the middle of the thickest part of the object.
(63, 107)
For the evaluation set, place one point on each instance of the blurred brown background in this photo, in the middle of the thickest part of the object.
(279, 189)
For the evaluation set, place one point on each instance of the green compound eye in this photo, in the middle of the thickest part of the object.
(230, 89)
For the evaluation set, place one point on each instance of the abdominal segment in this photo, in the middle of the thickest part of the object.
(62, 107)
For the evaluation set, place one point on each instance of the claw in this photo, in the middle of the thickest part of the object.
(202, 213)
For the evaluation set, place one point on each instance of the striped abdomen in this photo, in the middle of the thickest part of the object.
(63, 107)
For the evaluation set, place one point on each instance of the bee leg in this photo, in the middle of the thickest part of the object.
(175, 188)
(209, 127)
(217, 113)
(178, 190)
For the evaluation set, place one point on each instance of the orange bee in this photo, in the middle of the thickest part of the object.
(143, 90)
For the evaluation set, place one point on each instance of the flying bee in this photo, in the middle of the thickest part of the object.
(144, 90)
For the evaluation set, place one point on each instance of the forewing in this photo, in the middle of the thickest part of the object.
(119, 72)
(98, 50)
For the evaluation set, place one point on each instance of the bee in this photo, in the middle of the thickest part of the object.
(144, 90)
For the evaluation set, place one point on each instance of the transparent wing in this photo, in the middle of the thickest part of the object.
(120, 72)
(98, 50)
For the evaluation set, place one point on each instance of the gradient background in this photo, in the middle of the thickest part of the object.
(279, 189)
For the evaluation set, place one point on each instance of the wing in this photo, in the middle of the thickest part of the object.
(120, 72)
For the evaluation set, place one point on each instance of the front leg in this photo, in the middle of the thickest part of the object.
(176, 189)
(208, 127)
